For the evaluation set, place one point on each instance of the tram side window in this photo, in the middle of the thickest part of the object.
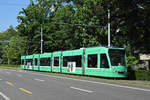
(56, 61)
(92, 61)
(22, 61)
(104, 61)
(26, 61)
(65, 59)
(35, 61)
(29, 62)
(45, 62)
(76, 59)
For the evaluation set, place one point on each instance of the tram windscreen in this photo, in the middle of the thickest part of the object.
(117, 57)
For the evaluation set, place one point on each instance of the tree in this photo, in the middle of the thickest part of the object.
(91, 32)
(32, 18)
(12, 46)
(16, 48)
(131, 18)
(76, 23)
(4, 38)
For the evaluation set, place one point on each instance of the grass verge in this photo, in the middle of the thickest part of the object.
(6, 66)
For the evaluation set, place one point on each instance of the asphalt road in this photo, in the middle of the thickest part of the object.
(29, 85)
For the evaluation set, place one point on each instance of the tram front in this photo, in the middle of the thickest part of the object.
(118, 62)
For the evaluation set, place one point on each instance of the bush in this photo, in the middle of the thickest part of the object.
(138, 75)
(142, 75)
(131, 60)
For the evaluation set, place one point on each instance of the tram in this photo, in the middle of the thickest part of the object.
(91, 61)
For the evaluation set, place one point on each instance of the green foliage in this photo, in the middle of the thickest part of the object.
(5, 36)
(12, 50)
(61, 36)
(142, 75)
(138, 74)
(128, 25)
(15, 49)
(131, 60)
(4, 59)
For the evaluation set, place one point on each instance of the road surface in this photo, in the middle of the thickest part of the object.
(30, 85)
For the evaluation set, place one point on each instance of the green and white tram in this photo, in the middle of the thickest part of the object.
(92, 61)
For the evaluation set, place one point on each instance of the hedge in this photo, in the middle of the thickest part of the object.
(142, 75)
(139, 75)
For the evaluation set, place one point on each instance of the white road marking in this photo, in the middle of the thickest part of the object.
(39, 80)
(109, 84)
(4, 96)
(88, 91)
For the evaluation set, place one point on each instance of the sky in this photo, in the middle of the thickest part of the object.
(9, 10)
